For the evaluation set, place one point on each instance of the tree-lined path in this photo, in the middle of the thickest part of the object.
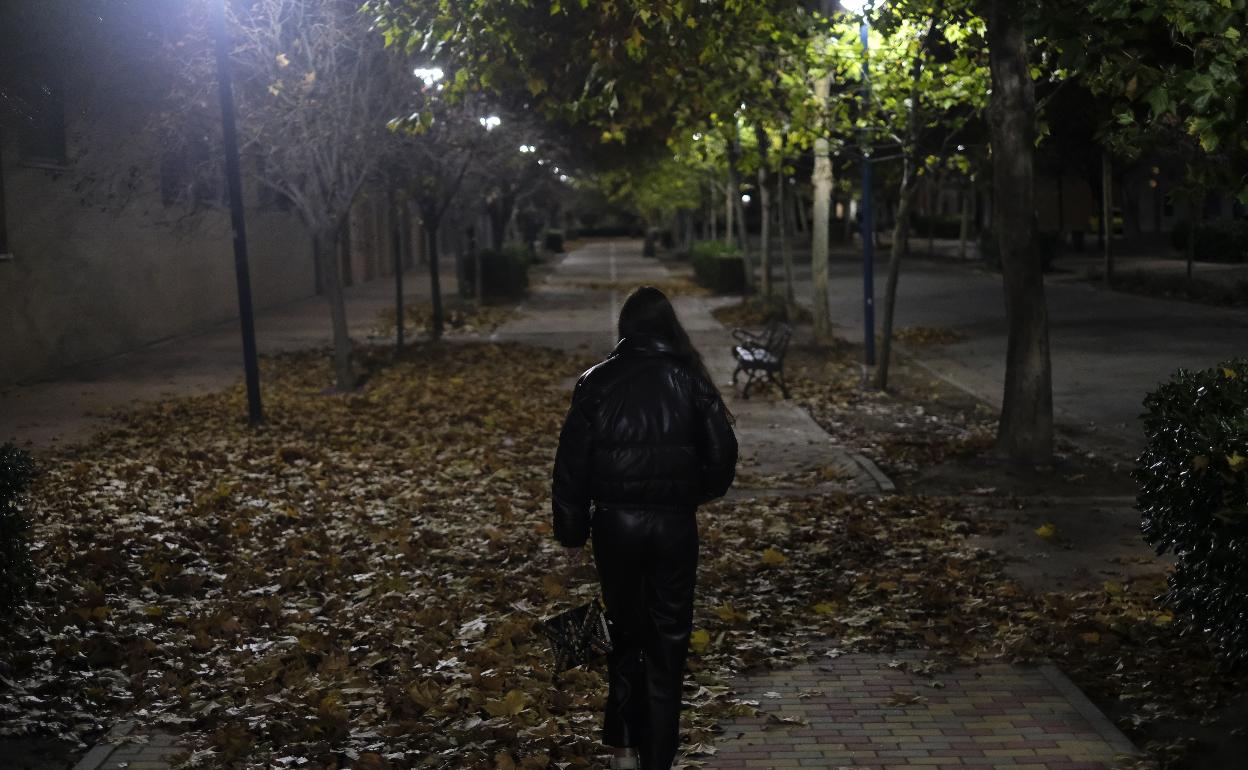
(575, 307)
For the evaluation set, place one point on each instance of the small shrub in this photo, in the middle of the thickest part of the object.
(554, 241)
(650, 248)
(718, 267)
(505, 273)
(17, 571)
(1220, 240)
(1193, 481)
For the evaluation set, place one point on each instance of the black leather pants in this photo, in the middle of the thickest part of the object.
(647, 562)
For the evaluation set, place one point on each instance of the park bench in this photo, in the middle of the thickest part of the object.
(760, 356)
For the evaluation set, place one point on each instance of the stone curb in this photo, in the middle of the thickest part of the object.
(885, 484)
(1088, 710)
(102, 750)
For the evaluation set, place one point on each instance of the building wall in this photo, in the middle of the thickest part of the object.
(89, 279)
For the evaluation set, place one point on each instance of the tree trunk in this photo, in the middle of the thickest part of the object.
(786, 254)
(729, 209)
(1107, 209)
(901, 224)
(964, 228)
(396, 249)
(799, 204)
(714, 217)
(405, 232)
(1025, 433)
(326, 246)
(764, 206)
(1193, 216)
(822, 181)
(435, 278)
(734, 185)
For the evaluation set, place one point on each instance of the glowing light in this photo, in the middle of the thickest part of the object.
(527, 148)
(854, 6)
(429, 75)
(563, 177)
(697, 137)
(746, 199)
(490, 122)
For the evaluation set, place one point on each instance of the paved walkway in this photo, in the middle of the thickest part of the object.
(872, 712)
(1098, 395)
(72, 406)
(854, 711)
(782, 447)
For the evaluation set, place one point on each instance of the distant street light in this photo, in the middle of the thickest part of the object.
(229, 134)
(527, 148)
(746, 199)
(490, 122)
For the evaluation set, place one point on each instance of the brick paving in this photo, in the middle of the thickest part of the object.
(874, 712)
(130, 747)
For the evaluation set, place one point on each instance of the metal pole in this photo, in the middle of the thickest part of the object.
(234, 182)
(868, 229)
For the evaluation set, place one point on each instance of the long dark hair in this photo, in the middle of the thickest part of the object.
(648, 313)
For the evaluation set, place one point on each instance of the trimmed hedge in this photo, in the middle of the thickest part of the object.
(1193, 480)
(718, 267)
(1221, 240)
(505, 273)
(17, 571)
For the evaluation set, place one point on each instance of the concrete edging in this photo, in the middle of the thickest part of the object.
(104, 748)
(1088, 710)
(885, 484)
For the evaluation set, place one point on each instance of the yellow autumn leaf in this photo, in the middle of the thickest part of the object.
(1163, 619)
(1046, 530)
(509, 705)
(282, 60)
(1236, 461)
(699, 640)
(773, 558)
(825, 608)
(1091, 637)
(1113, 588)
(1228, 373)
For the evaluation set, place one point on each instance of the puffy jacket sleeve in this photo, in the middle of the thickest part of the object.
(719, 447)
(570, 488)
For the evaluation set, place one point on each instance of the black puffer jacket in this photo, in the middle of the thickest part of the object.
(644, 432)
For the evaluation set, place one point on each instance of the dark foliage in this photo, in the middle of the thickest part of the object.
(1193, 478)
(17, 572)
(504, 273)
(1224, 240)
(554, 241)
(718, 267)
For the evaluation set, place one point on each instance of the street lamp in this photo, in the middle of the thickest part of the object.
(863, 7)
(490, 122)
(229, 135)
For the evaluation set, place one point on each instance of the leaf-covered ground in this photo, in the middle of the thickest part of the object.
(355, 584)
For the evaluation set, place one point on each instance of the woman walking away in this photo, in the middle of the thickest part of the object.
(647, 440)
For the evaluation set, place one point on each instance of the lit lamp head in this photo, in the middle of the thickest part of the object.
(855, 6)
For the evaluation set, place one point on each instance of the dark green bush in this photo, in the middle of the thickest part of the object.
(17, 571)
(504, 274)
(1193, 481)
(650, 247)
(554, 241)
(1221, 240)
(718, 267)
